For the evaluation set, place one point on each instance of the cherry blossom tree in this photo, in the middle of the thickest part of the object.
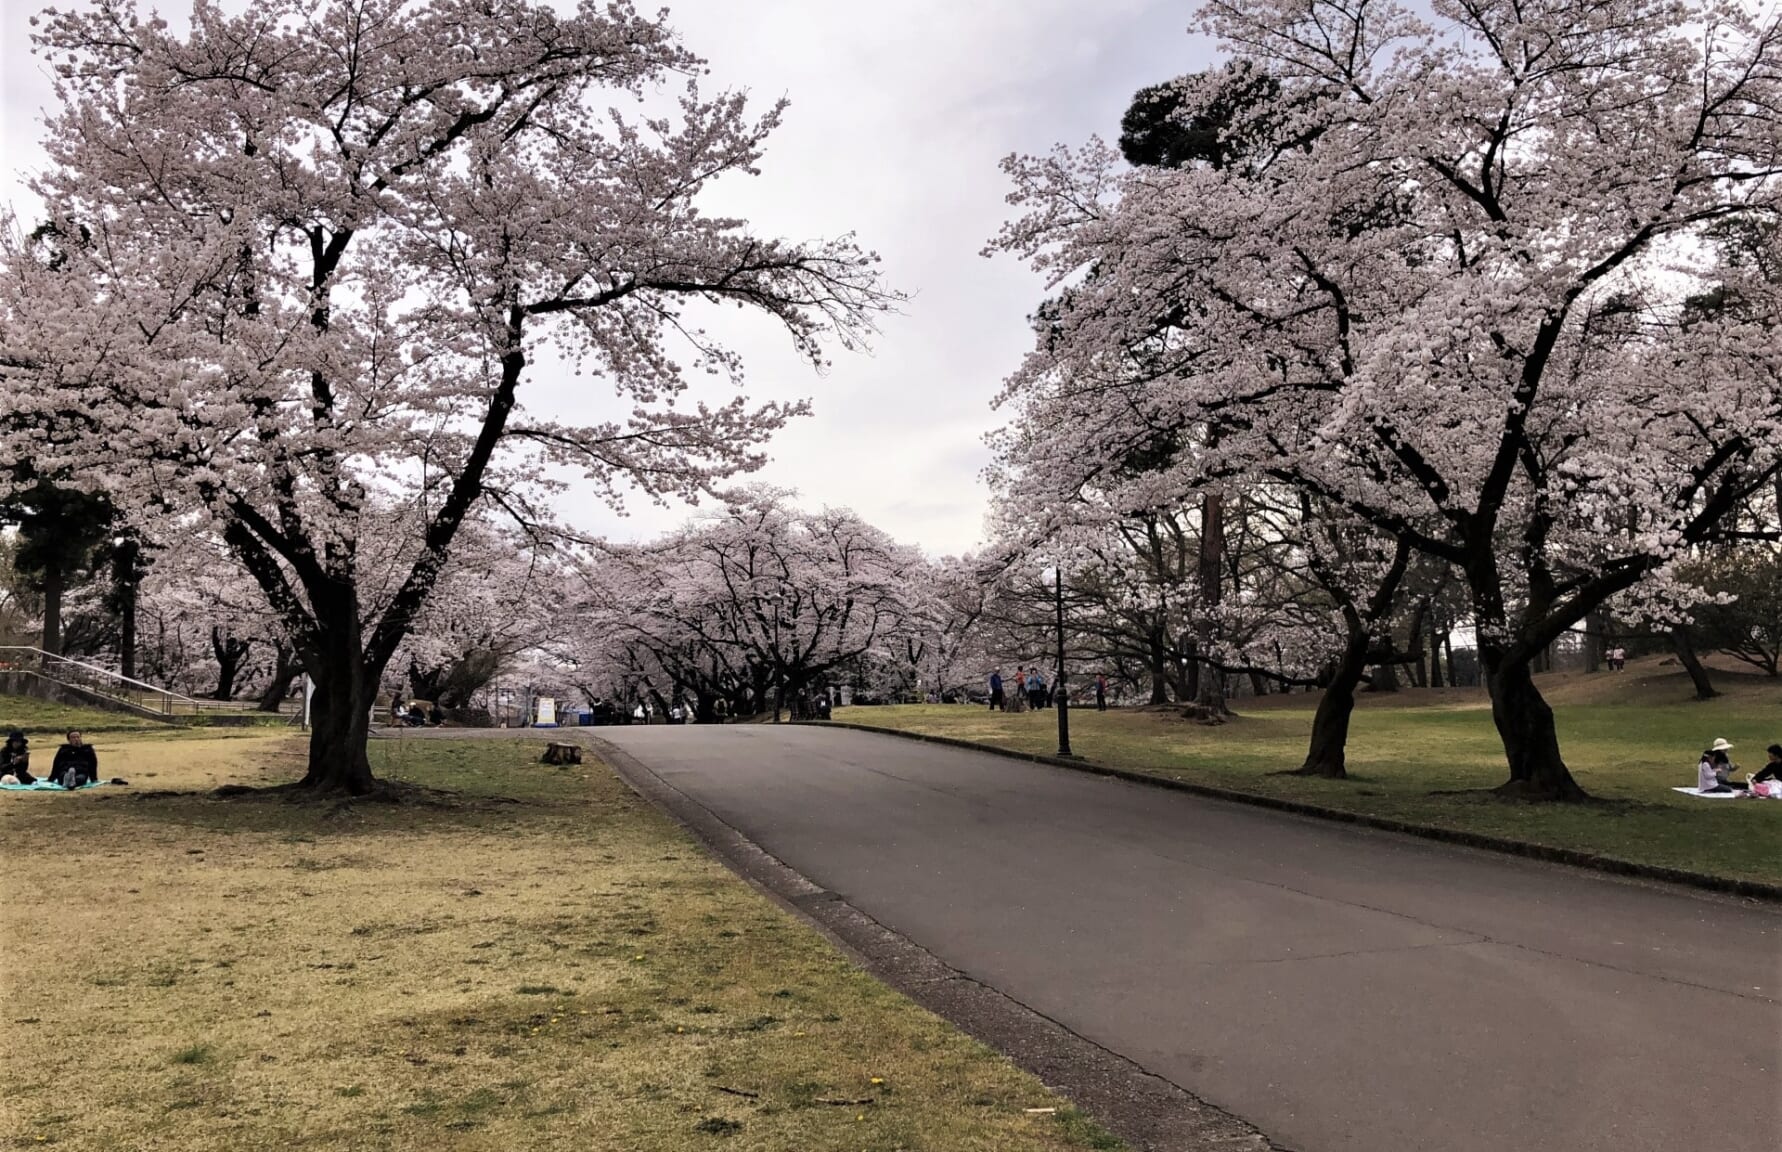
(1444, 289)
(497, 599)
(760, 600)
(305, 261)
(941, 640)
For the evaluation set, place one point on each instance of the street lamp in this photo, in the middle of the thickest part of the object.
(1058, 679)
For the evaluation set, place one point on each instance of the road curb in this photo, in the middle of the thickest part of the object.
(1148, 1112)
(1613, 865)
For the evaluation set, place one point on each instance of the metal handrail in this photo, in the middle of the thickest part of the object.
(105, 682)
(94, 668)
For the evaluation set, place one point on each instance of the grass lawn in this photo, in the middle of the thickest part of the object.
(1628, 739)
(45, 722)
(537, 960)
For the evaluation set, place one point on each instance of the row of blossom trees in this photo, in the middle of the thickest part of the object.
(1492, 289)
(748, 608)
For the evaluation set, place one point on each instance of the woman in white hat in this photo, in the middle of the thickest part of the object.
(1714, 772)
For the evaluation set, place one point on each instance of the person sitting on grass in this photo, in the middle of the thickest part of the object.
(1768, 779)
(1714, 772)
(15, 759)
(76, 763)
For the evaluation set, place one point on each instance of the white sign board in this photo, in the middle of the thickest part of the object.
(546, 713)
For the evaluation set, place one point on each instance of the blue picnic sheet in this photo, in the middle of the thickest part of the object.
(46, 786)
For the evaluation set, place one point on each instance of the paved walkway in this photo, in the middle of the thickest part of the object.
(1343, 990)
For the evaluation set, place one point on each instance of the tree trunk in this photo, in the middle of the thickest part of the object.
(1327, 754)
(1415, 643)
(1159, 660)
(1684, 643)
(340, 716)
(1435, 656)
(1525, 725)
(1210, 692)
(285, 670)
(127, 632)
(53, 580)
(231, 654)
(1596, 627)
(1385, 678)
(1448, 655)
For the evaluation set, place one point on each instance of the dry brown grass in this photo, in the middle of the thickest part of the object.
(541, 963)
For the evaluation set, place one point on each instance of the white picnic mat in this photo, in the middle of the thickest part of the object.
(1700, 795)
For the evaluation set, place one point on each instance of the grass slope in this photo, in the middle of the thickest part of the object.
(45, 722)
(538, 961)
(1628, 739)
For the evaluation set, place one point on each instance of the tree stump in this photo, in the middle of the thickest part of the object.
(560, 754)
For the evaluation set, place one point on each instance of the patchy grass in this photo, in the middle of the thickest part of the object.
(1628, 739)
(532, 959)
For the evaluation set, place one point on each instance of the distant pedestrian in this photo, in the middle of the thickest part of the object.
(998, 702)
(1101, 692)
(1018, 702)
(1617, 658)
(1036, 690)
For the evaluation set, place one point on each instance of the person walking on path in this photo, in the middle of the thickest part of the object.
(997, 700)
(1101, 692)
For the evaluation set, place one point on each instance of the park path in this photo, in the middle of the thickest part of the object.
(1341, 989)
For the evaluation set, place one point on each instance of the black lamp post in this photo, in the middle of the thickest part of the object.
(779, 664)
(1058, 680)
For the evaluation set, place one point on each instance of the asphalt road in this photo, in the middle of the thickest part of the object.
(1338, 988)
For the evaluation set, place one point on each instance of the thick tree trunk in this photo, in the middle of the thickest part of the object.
(1684, 643)
(1159, 661)
(759, 681)
(127, 570)
(1596, 627)
(285, 670)
(340, 720)
(1435, 656)
(127, 632)
(1525, 725)
(1418, 614)
(1385, 678)
(53, 580)
(231, 655)
(1210, 691)
(1327, 754)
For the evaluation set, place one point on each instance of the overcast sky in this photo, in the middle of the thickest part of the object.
(901, 110)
